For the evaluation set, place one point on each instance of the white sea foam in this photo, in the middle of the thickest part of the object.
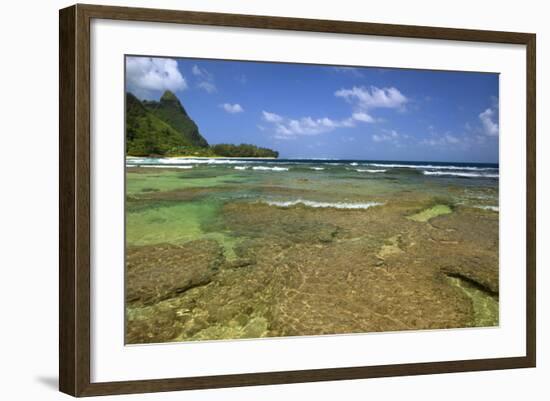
(461, 174)
(493, 208)
(184, 160)
(265, 168)
(147, 161)
(187, 167)
(240, 167)
(317, 168)
(432, 167)
(333, 205)
(370, 171)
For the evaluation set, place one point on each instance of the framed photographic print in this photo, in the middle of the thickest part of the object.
(251, 200)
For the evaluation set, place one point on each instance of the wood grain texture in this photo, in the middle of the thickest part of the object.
(301, 24)
(67, 254)
(74, 199)
(74, 206)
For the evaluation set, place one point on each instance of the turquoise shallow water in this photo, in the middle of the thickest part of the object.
(179, 199)
(333, 181)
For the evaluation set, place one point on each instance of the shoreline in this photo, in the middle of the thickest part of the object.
(405, 162)
(201, 157)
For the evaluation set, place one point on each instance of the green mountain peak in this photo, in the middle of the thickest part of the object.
(172, 104)
(169, 96)
(160, 128)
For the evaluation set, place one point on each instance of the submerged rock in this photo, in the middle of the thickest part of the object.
(256, 327)
(240, 262)
(158, 272)
(430, 213)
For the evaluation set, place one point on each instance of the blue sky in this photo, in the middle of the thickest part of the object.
(312, 111)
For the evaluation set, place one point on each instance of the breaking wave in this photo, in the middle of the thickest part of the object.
(493, 208)
(461, 174)
(315, 204)
(182, 160)
(186, 167)
(370, 171)
(265, 168)
(432, 167)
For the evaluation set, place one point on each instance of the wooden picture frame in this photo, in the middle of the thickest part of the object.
(74, 203)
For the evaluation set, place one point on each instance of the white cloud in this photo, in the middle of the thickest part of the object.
(232, 108)
(206, 79)
(386, 136)
(443, 140)
(489, 126)
(439, 139)
(363, 100)
(207, 86)
(362, 116)
(373, 97)
(309, 126)
(196, 70)
(287, 128)
(146, 74)
(451, 139)
(271, 117)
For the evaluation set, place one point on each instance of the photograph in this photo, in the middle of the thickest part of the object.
(272, 199)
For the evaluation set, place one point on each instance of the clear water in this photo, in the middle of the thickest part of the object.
(377, 214)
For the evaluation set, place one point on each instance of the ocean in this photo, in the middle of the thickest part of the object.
(337, 183)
